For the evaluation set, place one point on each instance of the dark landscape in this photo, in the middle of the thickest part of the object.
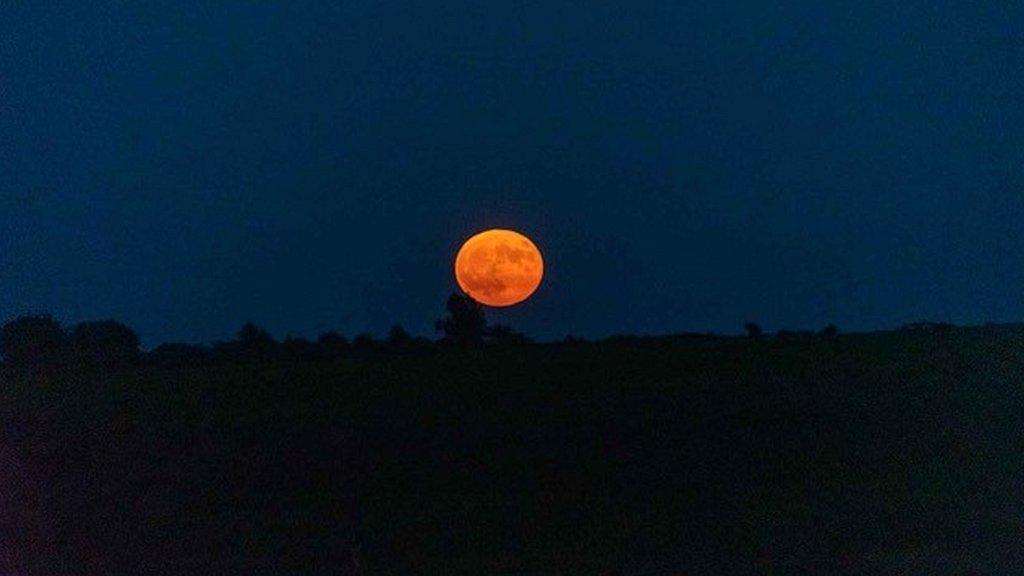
(798, 453)
(507, 288)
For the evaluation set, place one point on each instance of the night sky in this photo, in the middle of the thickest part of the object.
(685, 166)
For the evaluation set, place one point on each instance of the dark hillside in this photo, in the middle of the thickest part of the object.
(884, 453)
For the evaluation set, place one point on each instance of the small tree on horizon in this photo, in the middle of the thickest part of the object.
(363, 342)
(180, 354)
(105, 343)
(503, 335)
(754, 330)
(255, 342)
(299, 348)
(332, 344)
(398, 337)
(32, 341)
(466, 323)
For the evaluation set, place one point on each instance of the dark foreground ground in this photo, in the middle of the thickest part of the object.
(896, 453)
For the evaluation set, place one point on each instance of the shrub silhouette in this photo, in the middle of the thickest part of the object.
(251, 343)
(363, 342)
(465, 323)
(176, 354)
(105, 343)
(399, 338)
(297, 348)
(754, 331)
(252, 336)
(830, 331)
(332, 345)
(505, 336)
(31, 341)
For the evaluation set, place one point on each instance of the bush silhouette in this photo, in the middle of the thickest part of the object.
(255, 342)
(465, 323)
(31, 341)
(363, 342)
(252, 343)
(754, 331)
(505, 336)
(177, 354)
(830, 331)
(332, 345)
(399, 338)
(105, 343)
(297, 348)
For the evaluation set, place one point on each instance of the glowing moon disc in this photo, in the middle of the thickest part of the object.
(499, 267)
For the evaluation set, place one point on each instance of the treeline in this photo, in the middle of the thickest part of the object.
(42, 343)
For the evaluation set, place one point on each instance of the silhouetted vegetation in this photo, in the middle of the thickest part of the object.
(465, 324)
(33, 342)
(364, 343)
(255, 342)
(683, 451)
(180, 355)
(501, 456)
(300, 349)
(398, 338)
(754, 331)
(830, 331)
(501, 335)
(332, 345)
(105, 343)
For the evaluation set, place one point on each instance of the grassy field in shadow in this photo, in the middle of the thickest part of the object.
(888, 453)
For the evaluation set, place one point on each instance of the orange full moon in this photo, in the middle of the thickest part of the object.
(499, 267)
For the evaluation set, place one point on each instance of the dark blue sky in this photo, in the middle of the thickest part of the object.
(186, 166)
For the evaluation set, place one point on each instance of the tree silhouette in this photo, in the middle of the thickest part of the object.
(398, 338)
(754, 331)
(254, 342)
(332, 345)
(363, 342)
(31, 341)
(179, 355)
(105, 343)
(465, 323)
(830, 331)
(298, 348)
(505, 336)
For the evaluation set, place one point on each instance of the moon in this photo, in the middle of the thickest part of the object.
(499, 267)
